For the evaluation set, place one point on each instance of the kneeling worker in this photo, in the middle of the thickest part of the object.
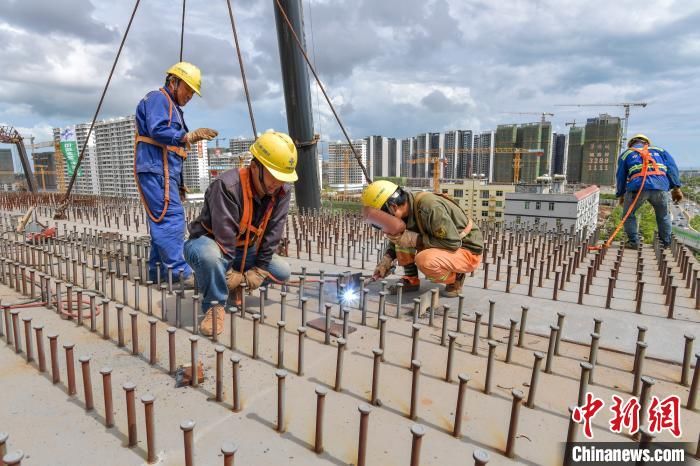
(241, 223)
(440, 239)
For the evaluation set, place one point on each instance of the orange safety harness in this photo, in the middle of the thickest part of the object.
(166, 173)
(245, 225)
(647, 160)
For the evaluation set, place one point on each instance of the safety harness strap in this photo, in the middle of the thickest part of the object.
(166, 172)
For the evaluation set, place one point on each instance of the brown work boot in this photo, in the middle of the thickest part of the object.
(410, 283)
(455, 288)
(207, 326)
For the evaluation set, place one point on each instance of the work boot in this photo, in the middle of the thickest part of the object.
(631, 245)
(188, 283)
(410, 283)
(207, 326)
(455, 288)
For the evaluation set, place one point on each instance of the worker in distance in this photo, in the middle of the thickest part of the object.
(439, 238)
(160, 149)
(240, 226)
(647, 173)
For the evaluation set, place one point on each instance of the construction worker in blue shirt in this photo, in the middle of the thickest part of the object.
(160, 149)
(661, 176)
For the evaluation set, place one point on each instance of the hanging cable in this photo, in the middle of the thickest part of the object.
(337, 118)
(313, 55)
(240, 62)
(61, 211)
(182, 29)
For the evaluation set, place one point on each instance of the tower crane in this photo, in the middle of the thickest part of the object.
(543, 115)
(626, 105)
(435, 160)
(571, 123)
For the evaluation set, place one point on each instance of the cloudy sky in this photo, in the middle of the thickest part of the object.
(392, 67)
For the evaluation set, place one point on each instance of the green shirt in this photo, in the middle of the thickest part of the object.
(440, 221)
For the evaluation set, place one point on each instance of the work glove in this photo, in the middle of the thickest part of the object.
(255, 277)
(234, 279)
(383, 268)
(621, 201)
(676, 195)
(407, 239)
(183, 192)
(200, 134)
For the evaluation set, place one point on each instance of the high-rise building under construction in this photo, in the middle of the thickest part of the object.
(600, 150)
(575, 154)
(534, 141)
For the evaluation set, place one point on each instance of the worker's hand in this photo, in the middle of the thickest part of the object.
(383, 268)
(255, 277)
(676, 195)
(183, 193)
(234, 279)
(621, 201)
(200, 134)
(407, 239)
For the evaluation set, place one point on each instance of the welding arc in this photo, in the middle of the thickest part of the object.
(61, 210)
(323, 90)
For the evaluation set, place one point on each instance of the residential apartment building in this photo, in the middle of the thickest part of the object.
(238, 145)
(114, 144)
(484, 144)
(344, 173)
(458, 154)
(407, 148)
(195, 169)
(382, 157)
(546, 205)
(87, 180)
(480, 199)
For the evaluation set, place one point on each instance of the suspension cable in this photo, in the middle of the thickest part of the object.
(240, 62)
(182, 29)
(61, 211)
(311, 67)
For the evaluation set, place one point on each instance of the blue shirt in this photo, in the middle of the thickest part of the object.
(631, 159)
(153, 120)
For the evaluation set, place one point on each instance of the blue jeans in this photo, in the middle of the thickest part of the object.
(210, 266)
(659, 201)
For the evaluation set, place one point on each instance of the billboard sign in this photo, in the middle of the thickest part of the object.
(69, 148)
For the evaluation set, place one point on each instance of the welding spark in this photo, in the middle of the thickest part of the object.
(349, 297)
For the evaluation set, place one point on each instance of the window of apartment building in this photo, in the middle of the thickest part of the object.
(444, 191)
(459, 193)
(499, 193)
(538, 205)
(484, 194)
(484, 203)
(527, 204)
(558, 222)
(551, 206)
(537, 220)
(499, 203)
(484, 213)
(517, 220)
(499, 214)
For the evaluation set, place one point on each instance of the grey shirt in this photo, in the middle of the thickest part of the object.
(222, 212)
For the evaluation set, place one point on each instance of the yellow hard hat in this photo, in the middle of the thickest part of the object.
(277, 152)
(188, 73)
(377, 193)
(638, 136)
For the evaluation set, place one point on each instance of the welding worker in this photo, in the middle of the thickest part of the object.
(661, 176)
(162, 140)
(242, 221)
(440, 239)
